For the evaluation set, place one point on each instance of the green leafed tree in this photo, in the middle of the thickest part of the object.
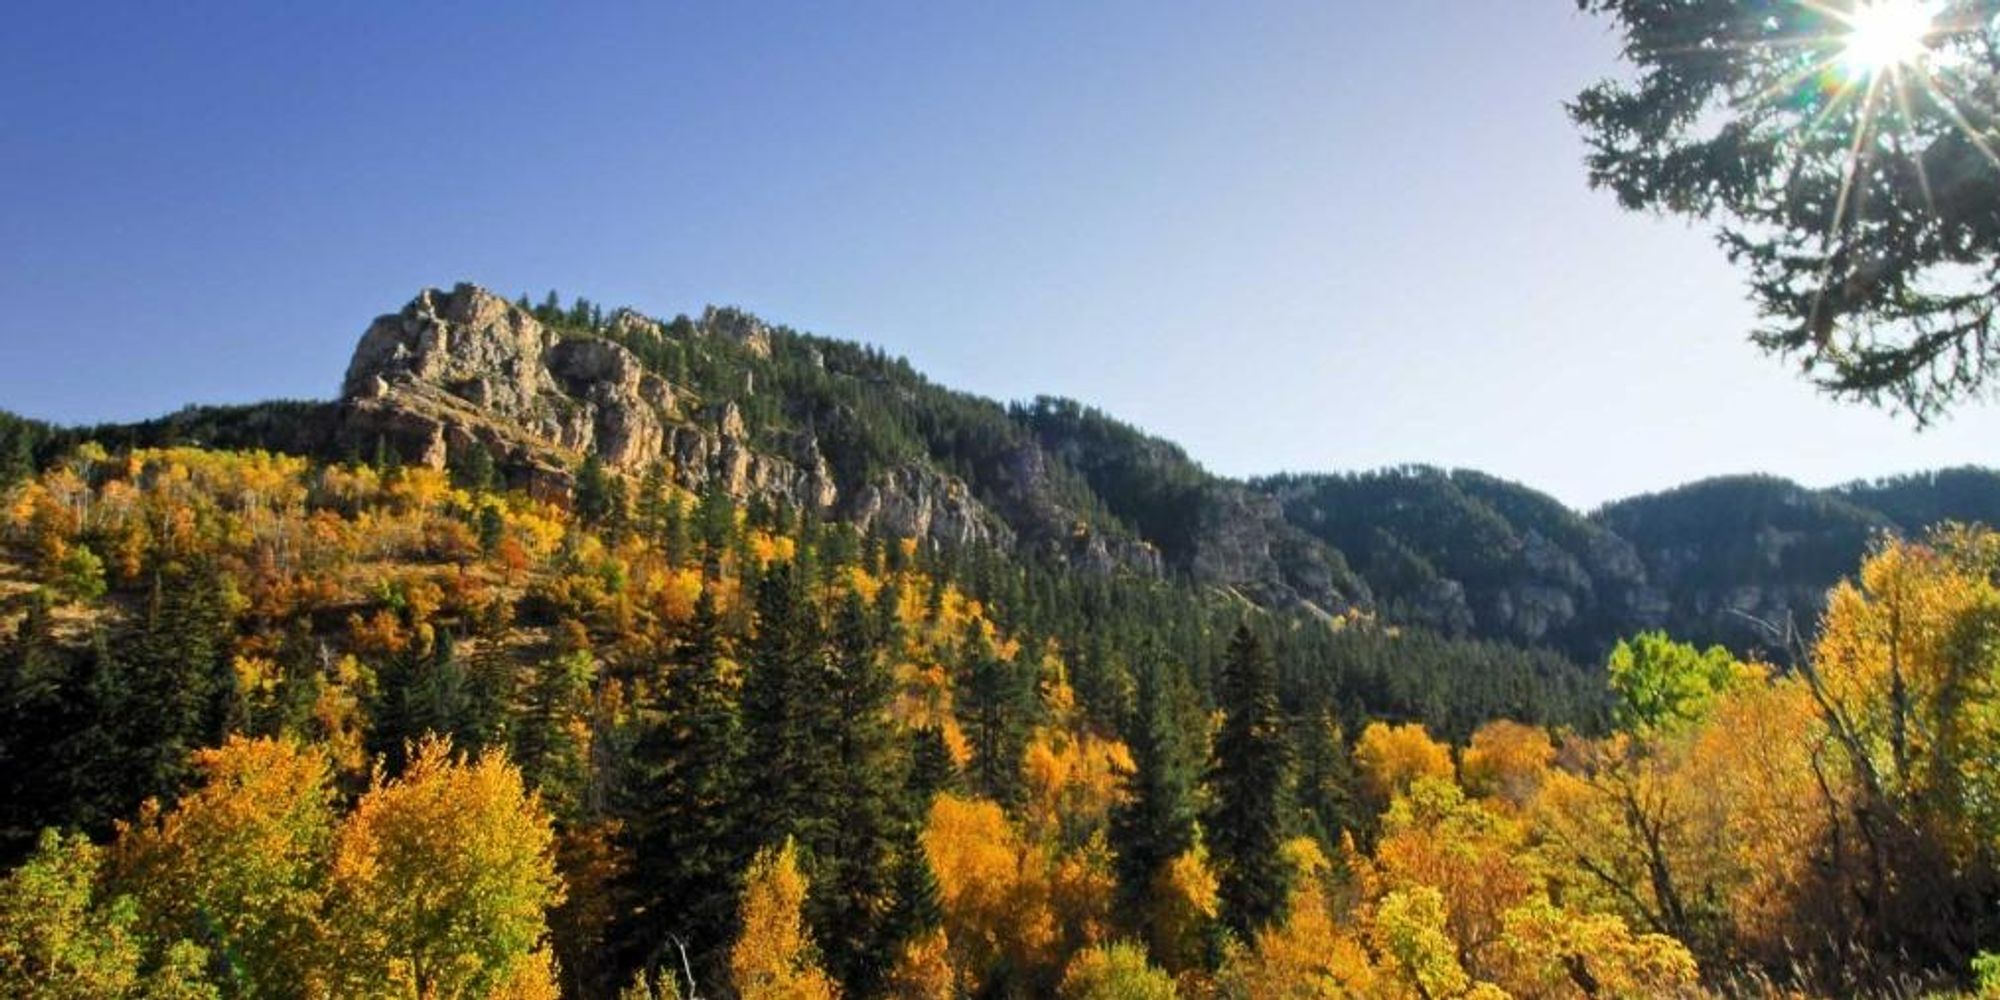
(1155, 823)
(1661, 684)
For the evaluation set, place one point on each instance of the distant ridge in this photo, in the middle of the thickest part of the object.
(786, 418)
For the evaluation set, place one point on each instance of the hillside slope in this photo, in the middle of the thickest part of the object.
(776, 417)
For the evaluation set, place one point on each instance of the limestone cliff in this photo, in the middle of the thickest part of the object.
(465, 369)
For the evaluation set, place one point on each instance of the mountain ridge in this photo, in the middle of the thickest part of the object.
(786, 418)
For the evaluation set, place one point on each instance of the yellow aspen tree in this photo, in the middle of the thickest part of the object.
(774, 957)
(1393, 757)
(238, 862)
(441, 880)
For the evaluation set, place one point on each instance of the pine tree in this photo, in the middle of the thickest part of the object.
(673, 532)
(177, 679)
(1247, 781)
(548, 745)
(592, 495)
(492, 528)
(685, 831)
(35, 714)
(436, 691)
(1326, 780)
(651, 507)
(616, 519)
(786, 694)
(997, 703)
(919, 907)
(932, 770)
(17, 457)
(1156, 822)
(856, 888)
(717, 523)
(474, 468)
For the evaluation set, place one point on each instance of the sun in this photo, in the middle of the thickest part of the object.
(1885, 34)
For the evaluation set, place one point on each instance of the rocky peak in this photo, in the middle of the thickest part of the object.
(736, 325)
(464, 369)
(468, 339)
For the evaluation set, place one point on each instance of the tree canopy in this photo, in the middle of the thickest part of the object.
(1847, 152)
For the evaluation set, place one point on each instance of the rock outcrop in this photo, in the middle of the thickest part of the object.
(465, 369)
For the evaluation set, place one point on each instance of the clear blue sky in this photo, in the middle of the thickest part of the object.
(1316, 236)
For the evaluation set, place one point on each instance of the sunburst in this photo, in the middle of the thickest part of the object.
(1880, 60)
(1885, 35)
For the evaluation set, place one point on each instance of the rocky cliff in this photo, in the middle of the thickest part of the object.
(466, 369)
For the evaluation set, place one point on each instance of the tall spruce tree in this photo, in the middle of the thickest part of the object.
(786, 710)
(1247, 784)
(855, 887)
(1156, 822)
(997, 702)
(177, 679)
(684, 828)
(550, 710)
(36, 711)
(649, 508)
(1326, 782)
(592, 496)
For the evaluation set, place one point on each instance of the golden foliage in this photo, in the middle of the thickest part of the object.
(441, 878)
(1507, 761)
(774, 957)
(237, 860)
(923, 970)
(1391, 758)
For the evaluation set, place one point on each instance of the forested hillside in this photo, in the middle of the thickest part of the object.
(863, 437)
(581, 655)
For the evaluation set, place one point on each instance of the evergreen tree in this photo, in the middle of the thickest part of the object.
(856, 882)
(787, 694)
(548, 744)
(931, 768)
(997, 704)
(717, 523)
(1326, 780)
(36, 711)
(1156, 822)
(616, 519)
(473, 469)
(436, 691)
(684, 828)
(492, 528)
(176, 681)
(650, 509)
(592, 495)
(673, 532)
(918, 907)
(17, 456)
(1246, 782)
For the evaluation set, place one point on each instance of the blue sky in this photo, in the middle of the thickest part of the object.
(1304, 236)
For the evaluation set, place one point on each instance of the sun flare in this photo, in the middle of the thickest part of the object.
(1884, 34)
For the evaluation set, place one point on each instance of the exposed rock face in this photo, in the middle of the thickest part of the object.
(466, 368)
(919, 503)
(738, 326)
(1244, 543)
